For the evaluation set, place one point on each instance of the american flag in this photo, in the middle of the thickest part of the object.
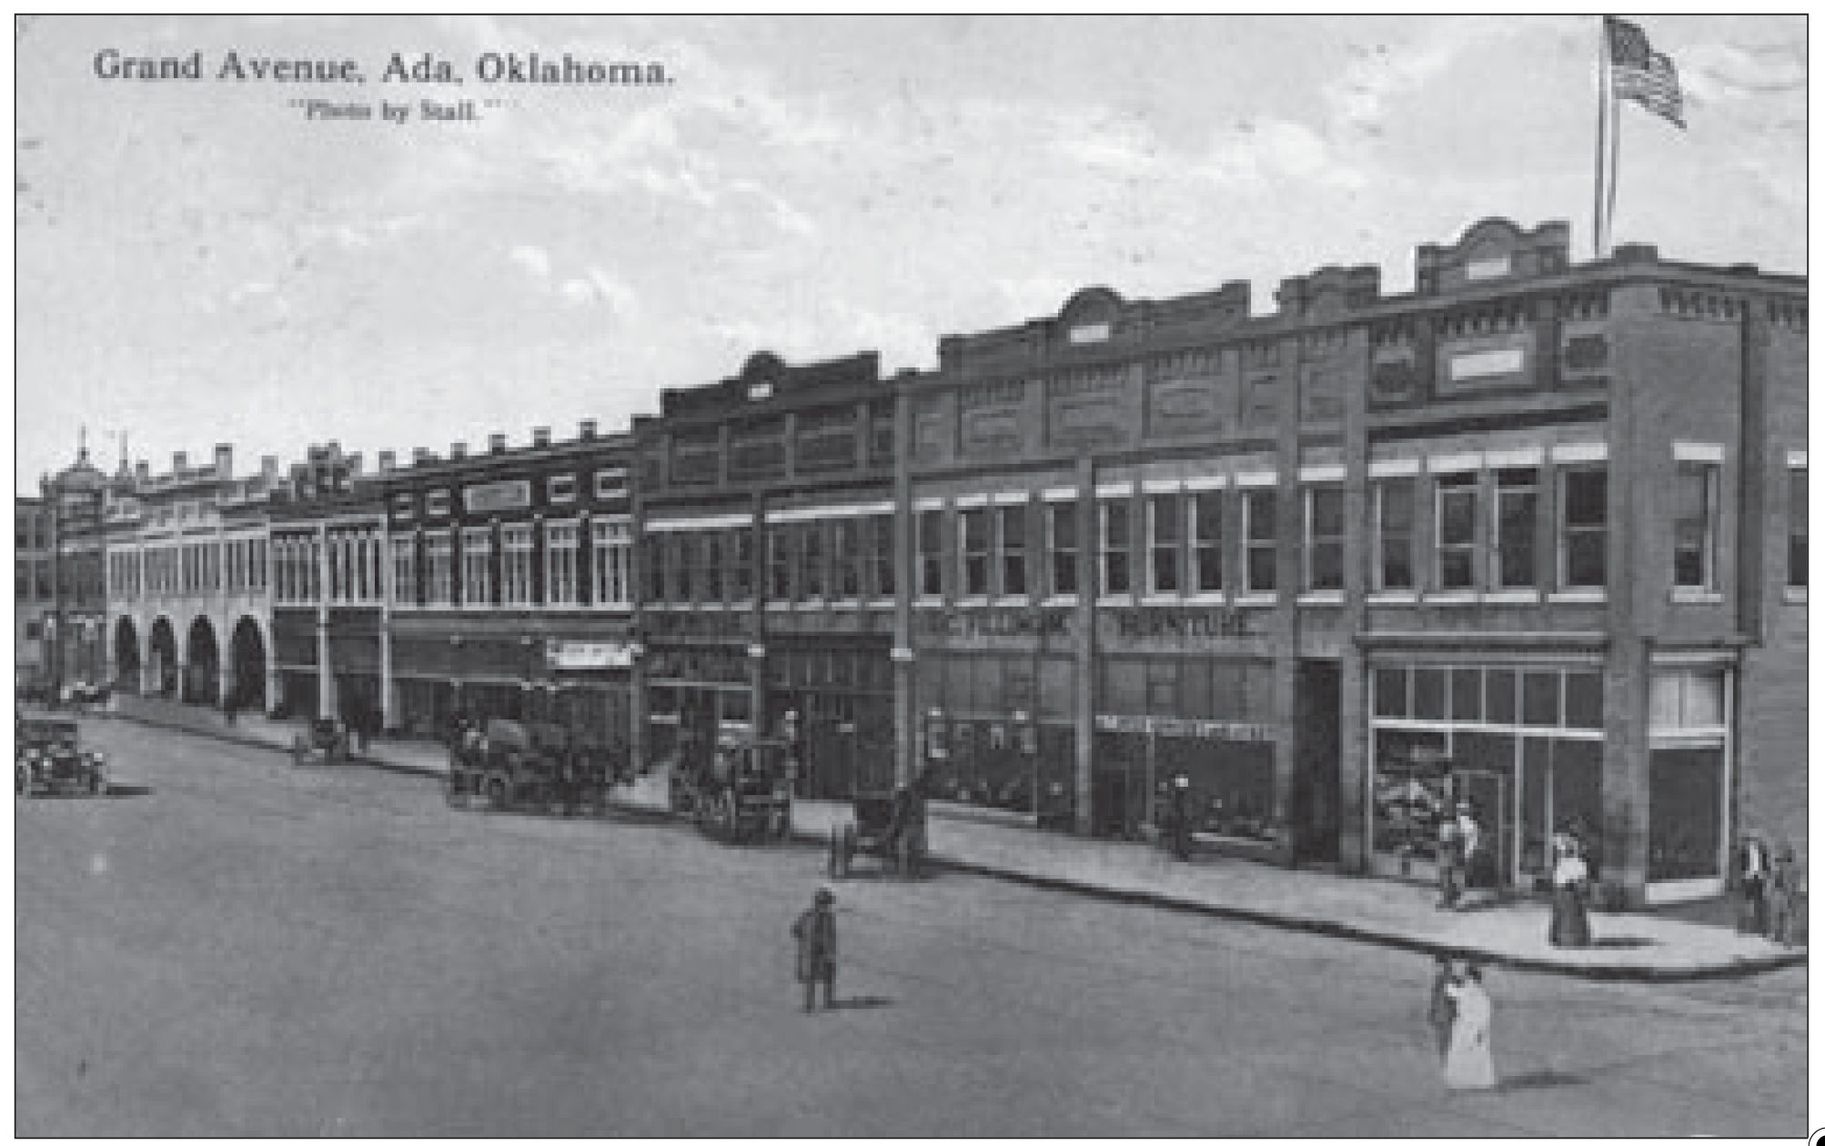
(1640, 73)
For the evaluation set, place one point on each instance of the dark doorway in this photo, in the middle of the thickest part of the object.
(1317, 788)
(203, 672)
(247, 652)
(164, 658)
(126, 656)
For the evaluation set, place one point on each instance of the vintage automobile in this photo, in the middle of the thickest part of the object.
(48, 758)
(888, 825)
(325, 740)
(742, 793)
(509, 764)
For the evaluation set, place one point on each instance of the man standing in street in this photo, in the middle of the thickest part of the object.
(1181, 817)
(815, 930)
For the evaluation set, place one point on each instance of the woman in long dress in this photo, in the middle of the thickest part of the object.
(1468, 1063)
(1571, 925)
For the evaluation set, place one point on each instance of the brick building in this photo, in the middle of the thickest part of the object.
(1530, 535)
(766, 522)
(32, 598)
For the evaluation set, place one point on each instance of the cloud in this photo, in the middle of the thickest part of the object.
(598, 287)
(1379, 73)
(533, 260)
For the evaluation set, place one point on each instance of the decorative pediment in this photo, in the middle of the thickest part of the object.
(1493, 250)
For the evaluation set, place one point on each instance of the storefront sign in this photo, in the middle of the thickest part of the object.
(588, 654)
(497, 495)
(1178, 624)
(974, 624)
(1185, 729)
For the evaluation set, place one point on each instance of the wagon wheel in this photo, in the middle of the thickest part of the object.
(498, 791)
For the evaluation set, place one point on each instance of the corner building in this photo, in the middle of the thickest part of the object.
(1532, 535)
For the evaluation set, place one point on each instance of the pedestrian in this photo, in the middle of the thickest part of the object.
(815, 930)
(1450, 863)
(1571, 925)
(1752, 917)
(1181, 817)
(1781, 894)
(1471, 857)
(230, 707)
(1469, 1065)
(1440, 1010)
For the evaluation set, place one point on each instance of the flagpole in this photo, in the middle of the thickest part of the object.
(1603, 75)
(1609, 212)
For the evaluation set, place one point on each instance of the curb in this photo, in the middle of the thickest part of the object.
(1735, 969)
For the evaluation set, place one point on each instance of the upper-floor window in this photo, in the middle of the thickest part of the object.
(437, 503)
(402, 507)
(931, 553)
(561, 489)
(1324, 537)
(1456, 530)
(1115, 540)
(846, 556)
(1260, 532)
(439, 581)
(741, 567)
(1517, 499)
(516, 564)
(973, 550)
(813, 577)
(1165, 541)
(1061, 542)
(560, 563)
(405, 569)
(1695, 525)
(610, 563)
(478, 555)
(1394, 533)
(1583, 527)
(881, 531)
(1011, 542)
(684, 566)
(1796, 527)
(779, 562)
(1207, 541)
(611, 484)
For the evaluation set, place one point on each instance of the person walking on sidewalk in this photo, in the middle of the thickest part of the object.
(1782, 895)
(815, 930)
(1571, 925)
(1180, 814)
(1469, 1065)
(1440, 1010)
(1450, 863)
(1752, 917)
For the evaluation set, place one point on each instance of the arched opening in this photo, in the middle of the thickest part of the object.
(126, 656)
(203, 667)
(163, 649)
(247, 655)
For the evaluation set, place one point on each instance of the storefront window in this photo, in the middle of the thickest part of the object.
(1540, 699)
(1428, 694)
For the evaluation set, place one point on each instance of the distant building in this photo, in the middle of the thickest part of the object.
(189, 610)
(32, 596)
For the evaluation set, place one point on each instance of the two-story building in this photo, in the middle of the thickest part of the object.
(768, 531)
(189, 613)
(32, 596)
(1530, 536)
(509, 587)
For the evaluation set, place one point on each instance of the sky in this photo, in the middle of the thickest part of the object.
(199, 262)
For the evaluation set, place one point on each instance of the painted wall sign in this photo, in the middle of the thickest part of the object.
(1185, 729)
(972, 624)
(497, 495)
(588, 654)
(1165, 623)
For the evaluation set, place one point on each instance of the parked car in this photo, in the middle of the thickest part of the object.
(48, 758)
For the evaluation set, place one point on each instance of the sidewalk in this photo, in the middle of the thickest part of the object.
(1638, 946)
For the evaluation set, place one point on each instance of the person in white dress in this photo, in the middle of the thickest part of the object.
(1468, 1062)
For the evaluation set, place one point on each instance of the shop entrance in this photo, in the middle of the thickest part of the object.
(1487, 793)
